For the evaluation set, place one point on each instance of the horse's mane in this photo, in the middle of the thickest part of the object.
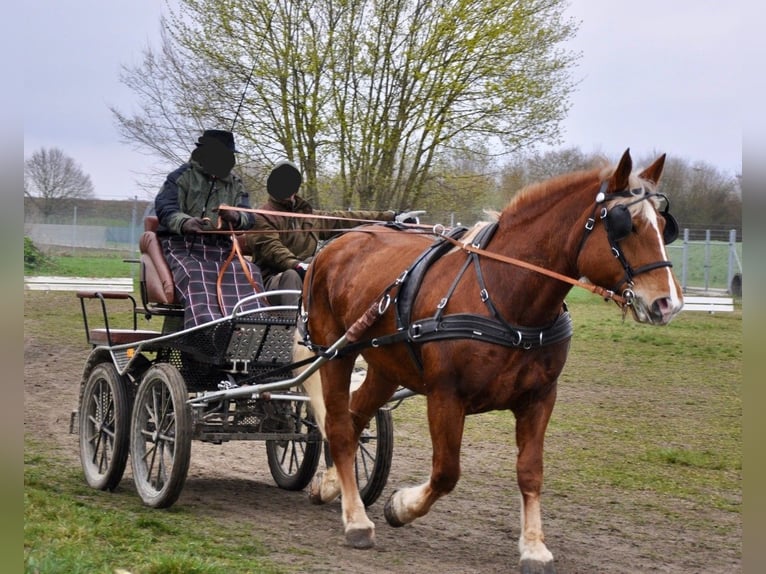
(532, 192)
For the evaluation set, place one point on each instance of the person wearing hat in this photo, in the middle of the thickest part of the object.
(187, 205)
(283, 246)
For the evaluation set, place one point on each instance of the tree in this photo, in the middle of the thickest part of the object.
(51, 179)
(527, 168)
(370, 91)
(701, 195)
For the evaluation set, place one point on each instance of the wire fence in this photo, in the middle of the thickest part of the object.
(704, 259)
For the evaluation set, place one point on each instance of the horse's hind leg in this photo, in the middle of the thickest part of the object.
(324, 487)
(446, 419)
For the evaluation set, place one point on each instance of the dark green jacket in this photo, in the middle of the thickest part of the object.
(281, 242)
(190, 192)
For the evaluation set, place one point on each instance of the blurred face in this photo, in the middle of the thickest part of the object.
(215, 158)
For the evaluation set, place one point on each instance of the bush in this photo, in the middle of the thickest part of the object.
(33, 257)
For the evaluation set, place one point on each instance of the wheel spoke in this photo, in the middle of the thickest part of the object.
(104, 427)
(161, 436)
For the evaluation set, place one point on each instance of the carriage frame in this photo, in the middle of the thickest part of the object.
(146, 395)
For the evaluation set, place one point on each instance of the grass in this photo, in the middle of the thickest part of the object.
(69, 528)
(103, 263)
(643, 413)
(87, 264)
(648, 419)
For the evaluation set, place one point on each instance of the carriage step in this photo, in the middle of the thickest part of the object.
(120, 336)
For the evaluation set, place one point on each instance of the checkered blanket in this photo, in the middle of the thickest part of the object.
(196, 262)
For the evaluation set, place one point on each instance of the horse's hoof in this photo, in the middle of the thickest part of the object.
(537, 567)
(315, 489)
(388, 512)
(361, 538)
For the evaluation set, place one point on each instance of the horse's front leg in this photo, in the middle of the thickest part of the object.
(446, 419)
(531, 423)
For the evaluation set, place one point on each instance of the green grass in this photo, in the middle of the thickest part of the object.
(717, 264)
(648, 419)
(649, 414)
(88, 264)
(68, 527)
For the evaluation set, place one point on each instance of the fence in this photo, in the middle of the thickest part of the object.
(705, 265)
(71, 237)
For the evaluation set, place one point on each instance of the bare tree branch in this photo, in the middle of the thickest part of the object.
(51, 178)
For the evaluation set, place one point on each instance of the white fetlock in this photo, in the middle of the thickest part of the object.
(324, 487)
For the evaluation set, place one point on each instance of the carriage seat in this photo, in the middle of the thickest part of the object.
(157, 286)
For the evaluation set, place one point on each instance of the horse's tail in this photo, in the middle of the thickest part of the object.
(313, 384)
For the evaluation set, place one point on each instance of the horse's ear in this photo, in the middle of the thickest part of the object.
(654, 171)
(622, 173)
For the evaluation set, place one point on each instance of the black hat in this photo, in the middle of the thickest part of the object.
(222, 136)
(284, 180)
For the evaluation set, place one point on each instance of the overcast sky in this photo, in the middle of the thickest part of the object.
(655, 76)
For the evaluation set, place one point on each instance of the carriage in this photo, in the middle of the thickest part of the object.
(150, 393)
(475, 321)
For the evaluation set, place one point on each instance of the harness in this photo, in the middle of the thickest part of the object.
(618, 224)
(493, 329)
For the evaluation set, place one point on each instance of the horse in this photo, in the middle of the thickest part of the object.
(477, 324)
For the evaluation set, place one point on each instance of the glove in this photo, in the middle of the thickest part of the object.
(301, 268)
(408, 217)
(192, 225)
(229, 216)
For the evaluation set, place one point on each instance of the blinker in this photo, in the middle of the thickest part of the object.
(619, 222)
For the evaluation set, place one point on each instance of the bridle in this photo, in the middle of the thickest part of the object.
(618, 223)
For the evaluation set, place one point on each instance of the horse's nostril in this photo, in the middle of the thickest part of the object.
(662, 309)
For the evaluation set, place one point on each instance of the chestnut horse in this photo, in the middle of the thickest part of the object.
(478, 333)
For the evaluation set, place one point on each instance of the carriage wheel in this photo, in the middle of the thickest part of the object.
(372, 462)
(293, 462)
(104, 427)
(160, 446)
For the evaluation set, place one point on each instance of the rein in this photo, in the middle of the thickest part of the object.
(607, 294)
(235, 250)
(438, 231)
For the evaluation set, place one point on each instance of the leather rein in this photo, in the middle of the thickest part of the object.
(436, 230)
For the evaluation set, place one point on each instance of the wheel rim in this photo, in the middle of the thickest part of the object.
(100, 420)
(293, 462)
(161, 436)
(156, 440)
(104, 428)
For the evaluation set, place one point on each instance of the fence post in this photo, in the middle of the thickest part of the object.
(74, 230)
(133, 235)
(707, 260)
(732, 254)
(685, 260)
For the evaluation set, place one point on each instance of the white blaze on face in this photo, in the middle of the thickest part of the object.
(653, 218)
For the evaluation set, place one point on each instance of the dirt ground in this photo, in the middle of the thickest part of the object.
(473, 530)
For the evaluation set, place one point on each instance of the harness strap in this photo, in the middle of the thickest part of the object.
(475, 327)
(605, 293)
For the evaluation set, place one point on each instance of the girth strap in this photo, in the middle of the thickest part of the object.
(476, 327)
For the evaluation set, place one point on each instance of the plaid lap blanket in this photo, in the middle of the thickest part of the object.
(195, 263)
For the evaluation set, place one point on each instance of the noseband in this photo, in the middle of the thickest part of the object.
(618, 223)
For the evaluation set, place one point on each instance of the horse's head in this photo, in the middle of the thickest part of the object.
(627, 229)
